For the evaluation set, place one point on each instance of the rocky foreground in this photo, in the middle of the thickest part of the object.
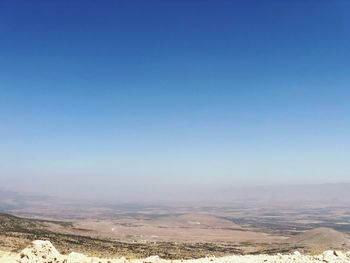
(44, 252)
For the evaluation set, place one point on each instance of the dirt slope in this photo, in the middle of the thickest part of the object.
(320, 239)
(45, 252)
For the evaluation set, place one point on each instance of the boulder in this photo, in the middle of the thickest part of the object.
(78, 258)
(40, 252)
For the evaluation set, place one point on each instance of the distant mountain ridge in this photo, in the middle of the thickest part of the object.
(332, 193)
(10, 200)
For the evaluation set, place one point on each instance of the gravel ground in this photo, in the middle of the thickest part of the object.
(45, 252)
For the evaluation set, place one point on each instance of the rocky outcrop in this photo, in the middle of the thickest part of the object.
(45, 252)
(40, 251)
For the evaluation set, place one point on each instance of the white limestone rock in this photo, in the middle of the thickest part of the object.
(40, 252)
(44, 252)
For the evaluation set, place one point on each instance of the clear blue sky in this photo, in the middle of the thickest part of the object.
(158, 94)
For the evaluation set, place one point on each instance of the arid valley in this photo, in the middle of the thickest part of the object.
(173, 232)
(174, 131)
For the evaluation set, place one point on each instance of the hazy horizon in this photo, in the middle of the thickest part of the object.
(333, 194)
(172, 99)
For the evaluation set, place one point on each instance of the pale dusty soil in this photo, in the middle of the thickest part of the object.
(44, 252)
(189, 227)
(156, 233)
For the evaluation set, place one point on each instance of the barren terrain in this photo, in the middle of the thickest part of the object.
(44, 252)
(174, 232)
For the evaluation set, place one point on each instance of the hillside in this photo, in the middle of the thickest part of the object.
(17, 233)
(44, 252)
(320, 239)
